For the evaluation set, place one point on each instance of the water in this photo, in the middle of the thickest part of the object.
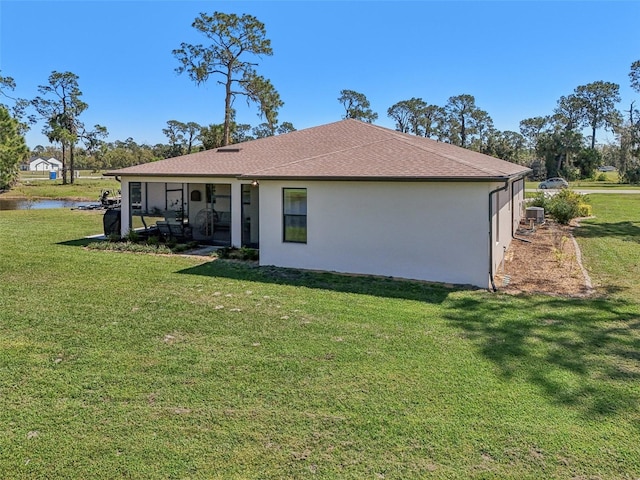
(27, 204)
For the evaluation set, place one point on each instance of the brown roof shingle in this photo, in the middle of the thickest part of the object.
(347, 149)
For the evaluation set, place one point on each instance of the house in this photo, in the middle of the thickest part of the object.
(41, 165)
(348, 196)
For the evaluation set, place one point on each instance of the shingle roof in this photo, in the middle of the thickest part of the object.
(344, 150)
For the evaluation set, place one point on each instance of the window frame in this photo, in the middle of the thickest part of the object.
(285, 216)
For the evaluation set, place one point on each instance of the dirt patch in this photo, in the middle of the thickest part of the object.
(544, 260)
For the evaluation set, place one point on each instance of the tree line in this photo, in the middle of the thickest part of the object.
(551, 145)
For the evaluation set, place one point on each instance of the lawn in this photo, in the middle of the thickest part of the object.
(119, 365)
(81, 189)
(611, 243)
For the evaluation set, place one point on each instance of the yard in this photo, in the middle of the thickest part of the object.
(119, 365)
(88, 187)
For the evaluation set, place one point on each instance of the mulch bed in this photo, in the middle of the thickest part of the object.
(544, 261)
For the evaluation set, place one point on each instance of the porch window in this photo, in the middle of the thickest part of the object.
(294, 215)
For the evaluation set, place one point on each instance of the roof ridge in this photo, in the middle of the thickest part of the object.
(306, 159)
(407, 138)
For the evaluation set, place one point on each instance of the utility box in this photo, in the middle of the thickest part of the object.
(535, 213)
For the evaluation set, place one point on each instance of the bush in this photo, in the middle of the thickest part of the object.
(133, 236)
(539, 200)
(601, 178)
(153, 240)
(249, 253)
(563, 206)
(585, 210)
(129, 247)
(567, 205)
(234, 253)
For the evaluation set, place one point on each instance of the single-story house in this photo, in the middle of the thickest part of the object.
(348, 197)
(41, 165)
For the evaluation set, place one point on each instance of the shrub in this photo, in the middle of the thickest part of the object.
(183, 247)
(601, 178)
(566, 205)
(153, 240)
(132, 236)
(539, 200)
(585, 210)
(249, 253)
(128, 247)
(234, 253)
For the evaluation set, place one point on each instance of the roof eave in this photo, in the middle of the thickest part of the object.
(501, 178)
(117, 173)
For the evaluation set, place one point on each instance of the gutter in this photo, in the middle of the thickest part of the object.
(491, 193)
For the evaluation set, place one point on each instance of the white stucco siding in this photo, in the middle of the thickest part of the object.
(507, 211)
(427, 231)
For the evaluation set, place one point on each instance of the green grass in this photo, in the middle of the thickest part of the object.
(122, 365)
(611, 243)
(81, 189)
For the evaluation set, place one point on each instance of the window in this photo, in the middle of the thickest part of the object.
(135, 195)
(294, 208)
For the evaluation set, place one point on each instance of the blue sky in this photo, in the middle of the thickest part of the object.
(516, 57)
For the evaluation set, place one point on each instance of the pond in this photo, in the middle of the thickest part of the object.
(31, 204)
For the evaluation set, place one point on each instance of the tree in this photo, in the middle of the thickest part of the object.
(357, 106)
(61, 114)
(265, 95)
(13, 149)
(598, 104)
(465, 119)
(569, 114)
(18, 109)
(181, 136)
(556, 148)
(232, 38)
(402, 113)
(94, 144)
(484, 129)
(506, 145)
(212, 136)
(629, 135)
(417, 116)
(587, 161)
(634, 75)
(531, 128)
(286, 127)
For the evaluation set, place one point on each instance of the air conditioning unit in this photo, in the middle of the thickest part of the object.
(535, 213)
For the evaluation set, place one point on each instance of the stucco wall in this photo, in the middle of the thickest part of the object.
(428, 231)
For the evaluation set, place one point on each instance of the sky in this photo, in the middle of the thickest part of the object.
(515, 57)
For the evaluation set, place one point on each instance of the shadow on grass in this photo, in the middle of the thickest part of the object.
(624, 230)
(580, 353)
(80, 242)
(366, 285)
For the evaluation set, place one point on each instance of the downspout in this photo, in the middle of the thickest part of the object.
(513, 210)
(499, 189)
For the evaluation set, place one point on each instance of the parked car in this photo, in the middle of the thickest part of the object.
(556, 182)
(607, 168)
